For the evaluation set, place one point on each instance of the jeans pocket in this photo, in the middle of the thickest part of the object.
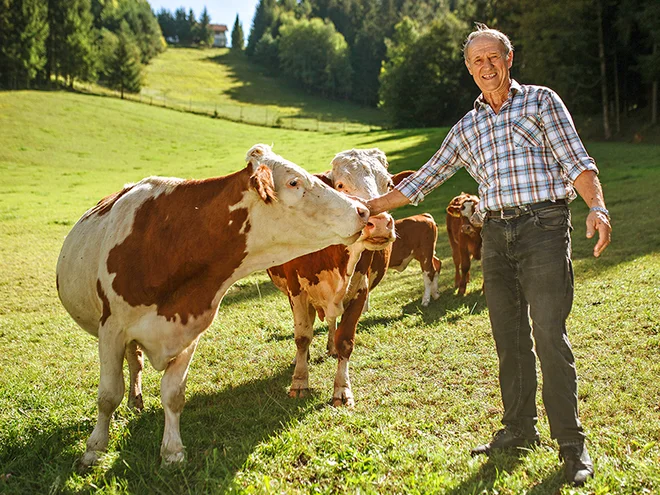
(553, 218)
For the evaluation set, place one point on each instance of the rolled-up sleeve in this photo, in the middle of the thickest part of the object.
(563, 138)
(442, 165)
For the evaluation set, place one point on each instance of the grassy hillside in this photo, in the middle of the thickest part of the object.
(218, 81)
(425, 379)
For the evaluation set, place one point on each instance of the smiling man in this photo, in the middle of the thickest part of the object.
(520, 145)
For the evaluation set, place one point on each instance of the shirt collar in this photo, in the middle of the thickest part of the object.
(515, 88)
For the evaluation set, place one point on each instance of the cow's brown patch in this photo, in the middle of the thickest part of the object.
(104, 300)
(183, 246)
(106, 204)
(345, 336)
(310, 266)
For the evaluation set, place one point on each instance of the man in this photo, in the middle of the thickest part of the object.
(519, 143)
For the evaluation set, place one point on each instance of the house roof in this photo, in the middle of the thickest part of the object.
(218, 28)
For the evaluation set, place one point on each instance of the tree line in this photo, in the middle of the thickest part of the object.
(84, 40)
(184, 28)
(601, 56)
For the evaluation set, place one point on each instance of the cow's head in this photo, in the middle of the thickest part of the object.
(295, 208)
(464, 206)
(363, 173)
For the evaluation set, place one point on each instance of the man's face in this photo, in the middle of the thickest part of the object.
(488, 64)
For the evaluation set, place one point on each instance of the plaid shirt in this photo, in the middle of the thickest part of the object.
(529, 152)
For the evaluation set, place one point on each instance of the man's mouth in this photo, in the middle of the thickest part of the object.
(488, 77)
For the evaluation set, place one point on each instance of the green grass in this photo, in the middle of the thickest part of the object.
(425, 379)
(216, 81)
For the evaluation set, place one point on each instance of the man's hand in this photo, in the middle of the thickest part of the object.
(598, 221)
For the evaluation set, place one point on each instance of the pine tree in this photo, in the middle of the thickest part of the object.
(126, 71)
(264, 18)
(205, 33)
(237, 37)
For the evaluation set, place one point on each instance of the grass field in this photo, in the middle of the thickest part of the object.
(425, 379)
(219, 82)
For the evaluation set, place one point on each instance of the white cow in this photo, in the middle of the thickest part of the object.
(146, 268)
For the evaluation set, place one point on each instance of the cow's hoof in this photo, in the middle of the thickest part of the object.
(89, 459)
(136, 403)
(435, 296)
(425, 302)
(346, 400)
(299, 393)
(173, 459)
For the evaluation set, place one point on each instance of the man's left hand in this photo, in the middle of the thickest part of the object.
(598, 221)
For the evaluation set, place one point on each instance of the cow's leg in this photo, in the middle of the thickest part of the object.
(135, 359)
(344, 341)
(111, 390)
(173, 396)
(437, 264)
(456, 256)
(303, 317)
(332, 330)
(465, 271)
(428, 284)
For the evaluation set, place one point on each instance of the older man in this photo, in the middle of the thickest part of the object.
(519, 143)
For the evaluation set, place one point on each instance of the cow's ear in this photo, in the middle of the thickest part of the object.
(325, 177)
(262, 182)
(256, 154)
(454, 208)
(401, 175)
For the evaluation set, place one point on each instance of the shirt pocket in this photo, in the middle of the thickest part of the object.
(526, 132)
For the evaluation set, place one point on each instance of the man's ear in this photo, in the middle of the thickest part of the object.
(262, 182)
(509, 59)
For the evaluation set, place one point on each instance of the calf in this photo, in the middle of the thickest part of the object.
(464, 232)
(415, 239)
(335, 282)
(146, 268)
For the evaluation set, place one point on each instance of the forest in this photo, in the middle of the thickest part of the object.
(404, 56)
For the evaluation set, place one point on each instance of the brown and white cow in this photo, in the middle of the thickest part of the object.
(335, 282)
(416, 238)
(146, 268)
(464, 232)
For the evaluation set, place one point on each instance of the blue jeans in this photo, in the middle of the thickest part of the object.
(528, 274)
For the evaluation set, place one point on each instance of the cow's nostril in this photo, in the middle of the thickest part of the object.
(370, 224)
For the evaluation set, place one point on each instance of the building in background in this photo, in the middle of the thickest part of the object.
(219, 35)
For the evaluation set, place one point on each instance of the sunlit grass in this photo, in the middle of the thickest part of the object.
(425, 379)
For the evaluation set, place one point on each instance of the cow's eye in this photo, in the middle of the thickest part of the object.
(390, 186)
(339, 185)
(294, 182)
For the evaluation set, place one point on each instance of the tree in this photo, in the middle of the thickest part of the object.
(424, 81)
(267, 55)
(316, 56)
(263, 19)
(237, 38)
(78, 54)
(204, 31)
(23, 35)
(125, 74)
(167, 23)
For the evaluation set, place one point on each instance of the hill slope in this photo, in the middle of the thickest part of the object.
(425, 379)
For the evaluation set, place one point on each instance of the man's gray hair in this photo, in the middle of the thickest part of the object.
(483, 30)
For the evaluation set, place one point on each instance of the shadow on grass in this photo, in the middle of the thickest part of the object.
(484, 480)
(257, 88)
(220, 431)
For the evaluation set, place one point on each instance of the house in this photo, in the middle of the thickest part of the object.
(219, 35)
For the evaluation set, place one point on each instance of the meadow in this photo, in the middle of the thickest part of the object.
(425, 379)
(222, 83)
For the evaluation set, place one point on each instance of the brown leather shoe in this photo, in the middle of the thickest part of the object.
(508, 438)
(578, 467)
